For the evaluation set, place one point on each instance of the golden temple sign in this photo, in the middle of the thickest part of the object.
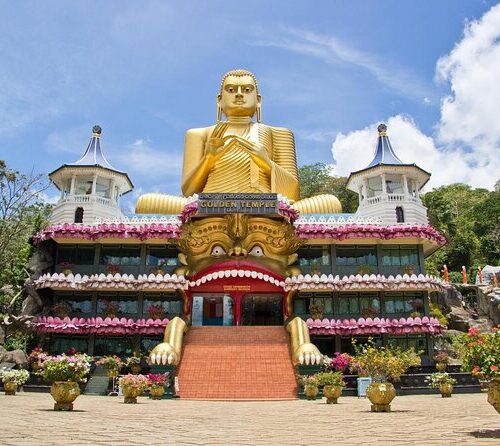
(221, 203)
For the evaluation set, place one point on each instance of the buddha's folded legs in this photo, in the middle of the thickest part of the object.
(160, 204)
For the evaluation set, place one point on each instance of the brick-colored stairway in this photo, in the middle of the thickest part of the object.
(250, 363)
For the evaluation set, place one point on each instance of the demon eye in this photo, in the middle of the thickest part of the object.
(218, 250)
(256, 251)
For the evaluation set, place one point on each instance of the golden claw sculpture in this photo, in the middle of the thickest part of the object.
(170, 350)
(303, 351)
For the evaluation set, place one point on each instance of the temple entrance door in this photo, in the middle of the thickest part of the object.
(262, 309)
(212, 309)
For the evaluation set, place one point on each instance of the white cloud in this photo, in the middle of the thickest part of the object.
(466, 147)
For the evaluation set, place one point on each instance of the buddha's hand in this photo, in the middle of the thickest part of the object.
(164, 354)
(214, 146)
(308, 353)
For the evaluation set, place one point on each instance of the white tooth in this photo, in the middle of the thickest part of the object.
(164, 359)
(307, 358)
(301, 358)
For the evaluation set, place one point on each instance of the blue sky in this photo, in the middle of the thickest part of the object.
(329, 70)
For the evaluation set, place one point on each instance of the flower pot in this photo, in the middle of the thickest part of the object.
(64, 393)
(136, 369)
(332, 393)
(10, 387)
(112, 373)
(494, 394)
(446, 389)
(157, 392)
(311, 392)
(441, 366)
(130, 394)
(381, 395)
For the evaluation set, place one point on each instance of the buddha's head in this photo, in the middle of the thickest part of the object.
(219, 241)
(239, 95)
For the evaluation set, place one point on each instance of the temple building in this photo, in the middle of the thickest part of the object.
(239, 257)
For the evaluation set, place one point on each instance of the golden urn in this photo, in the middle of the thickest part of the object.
(446, 389)
(10, 387)
(130, 394)
(381, 395)
(332, 393)
(64, 393)
(494, 394)
(310, 391)
(157, 392)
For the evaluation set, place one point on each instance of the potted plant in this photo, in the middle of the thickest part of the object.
(332, 383)
(113, 269)
(12, 379)
(156, 311)
(65, 373)
(310, 384)
(340, 362)
(61, 309)
(133, 386)
(110, 308)
(316, 311)
(134, 362)
(112, 364)
(480, 354)
(369, 312)
(442, 360)
(36, 358)
(409, 269)
(364, 269)
(442, 381)
(157, 383)
(383, 364)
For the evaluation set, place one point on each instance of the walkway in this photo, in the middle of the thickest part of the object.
(26, 419)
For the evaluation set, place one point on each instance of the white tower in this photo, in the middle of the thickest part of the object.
(388, 188)
(90, 187)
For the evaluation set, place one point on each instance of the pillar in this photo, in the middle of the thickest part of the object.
(94, 182)
(384, 185)
(405, 185)
(72, 187)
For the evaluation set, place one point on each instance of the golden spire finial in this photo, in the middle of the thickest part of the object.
(382, 130)
(96, 131)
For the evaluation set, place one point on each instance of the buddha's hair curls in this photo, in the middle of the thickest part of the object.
(239, 73)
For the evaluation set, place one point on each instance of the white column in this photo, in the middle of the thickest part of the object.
(72, 187)
(405, 185)
(384, 185)
(112, 190)
(365, 186)
(360, 193)
(94, 182)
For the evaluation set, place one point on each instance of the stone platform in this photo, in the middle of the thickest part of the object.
(27, 419)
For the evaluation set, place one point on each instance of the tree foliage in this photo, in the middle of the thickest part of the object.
(22, 214)
(316, 179)
(470, 220)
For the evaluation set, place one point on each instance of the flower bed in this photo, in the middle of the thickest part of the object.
(377, 325)
(98, 325)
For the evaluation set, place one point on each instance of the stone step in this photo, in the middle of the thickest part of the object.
(240, 363)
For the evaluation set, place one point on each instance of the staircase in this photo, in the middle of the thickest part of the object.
(237, 363)
(98, 382)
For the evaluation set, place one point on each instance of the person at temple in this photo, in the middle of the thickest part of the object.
(239, 155)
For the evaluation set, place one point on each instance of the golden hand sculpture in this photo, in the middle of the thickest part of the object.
(238, 155)
(303, 351)
(169, 351)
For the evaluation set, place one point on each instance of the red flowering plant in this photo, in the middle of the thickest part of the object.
(340, 362)
(480, 353)
(156, 312)
(37, 357)
(157, 379)
(110, 308)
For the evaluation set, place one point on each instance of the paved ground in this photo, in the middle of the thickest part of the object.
(27, 418)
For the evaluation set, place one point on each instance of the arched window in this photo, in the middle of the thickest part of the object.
(400, 215)
(79, 215)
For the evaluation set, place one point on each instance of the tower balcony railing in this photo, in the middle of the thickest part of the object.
(392, 198)
(88, 199)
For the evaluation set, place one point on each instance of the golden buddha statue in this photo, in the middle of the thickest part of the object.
(239, 155)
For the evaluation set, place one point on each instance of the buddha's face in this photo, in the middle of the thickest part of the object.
(218, 240)
(239, 96)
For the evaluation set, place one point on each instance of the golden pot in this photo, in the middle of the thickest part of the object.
(311, 392)
(332, 393)
(446, 389)
(441, 367)
(136, 369)
(130, 394)
(381, 395)
(494, 394)
(112, 373)
(10, 387)
(64, 393)
(156, 392)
